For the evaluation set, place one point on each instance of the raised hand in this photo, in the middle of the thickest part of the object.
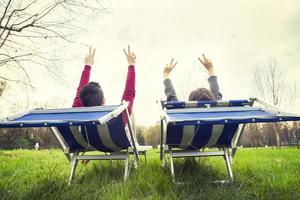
(89, 58)
(168, 68)
(207, 64)
(130, 56)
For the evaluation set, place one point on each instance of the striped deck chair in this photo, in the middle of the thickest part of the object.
(187, 128)
(84, 129)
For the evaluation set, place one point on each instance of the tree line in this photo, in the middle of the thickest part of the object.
(255, 135)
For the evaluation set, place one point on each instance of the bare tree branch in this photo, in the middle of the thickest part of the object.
(39, 22)
(5, 11)
(272, 84)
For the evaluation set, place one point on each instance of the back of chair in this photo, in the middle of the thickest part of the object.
(110, 136)
(198, 124)
(79, 129)
(197, 136)
(200, 136)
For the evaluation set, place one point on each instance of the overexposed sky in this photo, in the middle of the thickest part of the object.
(236, 35)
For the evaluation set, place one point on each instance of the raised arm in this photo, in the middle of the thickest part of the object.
(129, 92)
(85, 76)
(212, 80)
(169, 89)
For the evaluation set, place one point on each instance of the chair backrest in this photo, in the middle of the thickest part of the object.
(194, 125)
(200, 135)
(79, 129)
(110, 136)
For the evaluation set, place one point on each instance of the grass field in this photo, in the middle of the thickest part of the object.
(259, 174)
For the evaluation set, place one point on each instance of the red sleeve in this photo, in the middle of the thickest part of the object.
(129, 92)
(85, 78)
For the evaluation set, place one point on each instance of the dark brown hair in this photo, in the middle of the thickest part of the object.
(201, 94)
(91, 95)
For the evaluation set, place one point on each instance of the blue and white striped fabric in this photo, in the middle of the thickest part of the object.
(194, 127)
(80, 127)
(199, 136)
(108, 137)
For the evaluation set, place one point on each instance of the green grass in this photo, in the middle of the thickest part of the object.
(259, 174)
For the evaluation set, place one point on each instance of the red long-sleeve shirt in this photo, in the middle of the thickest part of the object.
(128, 94)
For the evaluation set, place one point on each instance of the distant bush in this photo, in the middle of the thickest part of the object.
(14, 138)
(152, 135)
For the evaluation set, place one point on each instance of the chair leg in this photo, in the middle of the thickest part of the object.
(163, 161)
(228, 164)
(172, 164)
(233, 151)
(135, 162)
(128, 165)
(69, 156)
(161, 140)
(230, 155)
(73, 168)
(126, 169)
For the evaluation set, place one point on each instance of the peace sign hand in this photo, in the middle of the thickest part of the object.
(207, 64)
(89, 58)
(131, 57)
(168, 68)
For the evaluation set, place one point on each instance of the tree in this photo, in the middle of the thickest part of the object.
(272, 84)
(268, 132)
(255, 133)
(286, 133)
(140, 130)
(152, 135)
(252, 136)
(29, 29)
(295, 131)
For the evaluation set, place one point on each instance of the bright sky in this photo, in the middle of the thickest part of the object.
(236, 35)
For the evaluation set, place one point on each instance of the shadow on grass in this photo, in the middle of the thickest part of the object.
(90, 180)
(103, 171)
(197, 170)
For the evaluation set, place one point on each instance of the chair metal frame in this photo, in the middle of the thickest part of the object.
(74, 156)
(227, 152)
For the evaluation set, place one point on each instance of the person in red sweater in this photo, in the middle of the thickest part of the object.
(91, 94)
